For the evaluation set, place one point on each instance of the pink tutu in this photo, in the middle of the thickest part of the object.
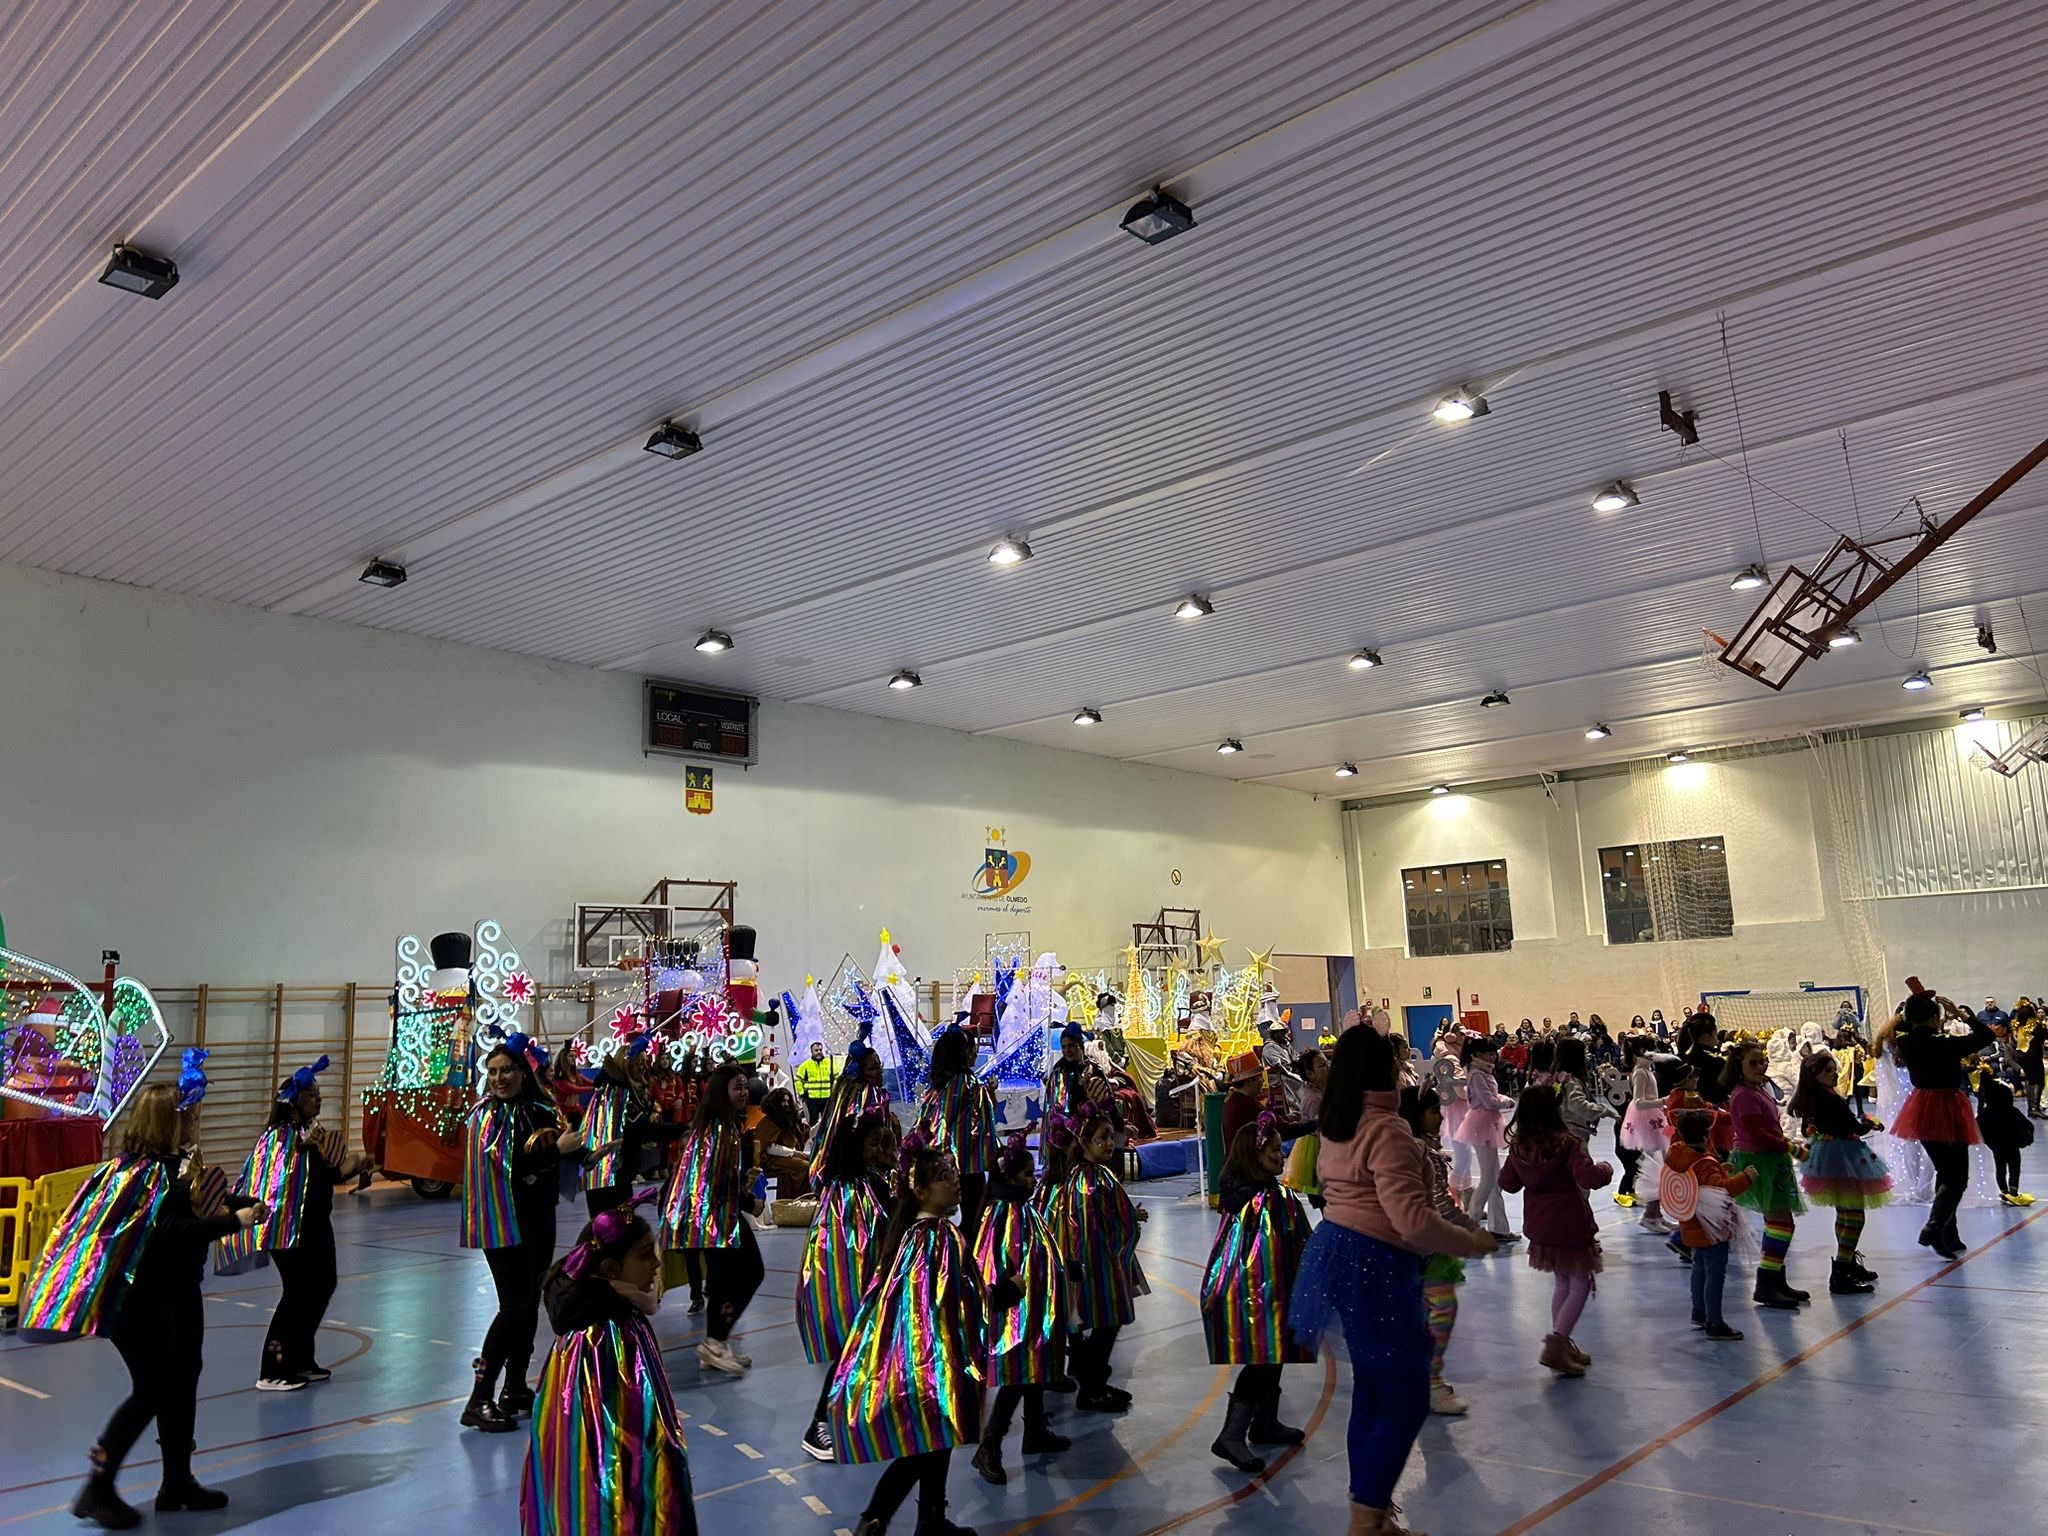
(1481, 1128)
(1937, 1114)
(1454, 1116)
(1645, 1127)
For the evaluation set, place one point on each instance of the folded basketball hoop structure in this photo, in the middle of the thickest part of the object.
(1802, 613)
(2030, 748)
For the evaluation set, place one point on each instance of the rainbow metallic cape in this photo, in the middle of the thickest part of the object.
(844, 1110)
(961, 1118)
(276, 1173)
(1097, 1230)
(606, 1453)
(488, 1217)
(1024, 1340)
(701, 1206)
(909, 1379)
(89, 1261)
(1248, 1279)
(837, 1263)
(604, 1119)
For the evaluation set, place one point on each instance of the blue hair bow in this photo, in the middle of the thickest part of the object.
(192, 1076)
(300, 1081)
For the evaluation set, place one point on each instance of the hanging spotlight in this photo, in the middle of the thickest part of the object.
(1363, 661)
(1919, 682)
(1229, 745)
(1194, 606)
(1348, 771)
(1842, 639)
(1617, 497)
(1439, 789)
(1750, 578)
(1460, 405)
(1493, 700)
(1157, 216)
(1597, 732)
(1678, 757)
(1009, 551)
(1088, 717)
(906, 679)
(712, 641)
(674, 442)
(134, 271)
(1972, 715)
(383, 573)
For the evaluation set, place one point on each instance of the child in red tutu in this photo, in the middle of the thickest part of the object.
(1937, 1112)
(1551, 1165)
(1839, 1171)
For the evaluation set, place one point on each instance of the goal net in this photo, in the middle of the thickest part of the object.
(1759, 1015)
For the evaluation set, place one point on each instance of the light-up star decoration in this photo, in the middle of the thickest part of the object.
(66, 1054)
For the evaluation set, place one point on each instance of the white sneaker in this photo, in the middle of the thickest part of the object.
(1656, 1224)
(1443, 1399)
(280, 1384)
(746, 1362)
(714, 1356)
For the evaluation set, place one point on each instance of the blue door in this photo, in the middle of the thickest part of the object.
(1424, 1021)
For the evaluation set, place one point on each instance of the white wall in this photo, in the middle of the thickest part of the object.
(232, 797)
(1790, 923)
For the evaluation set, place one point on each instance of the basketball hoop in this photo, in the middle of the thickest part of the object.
(1711, 647)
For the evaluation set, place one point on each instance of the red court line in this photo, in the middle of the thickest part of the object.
(1637, 1457)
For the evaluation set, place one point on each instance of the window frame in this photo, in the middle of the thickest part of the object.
(1468, 920)
(1701, 864)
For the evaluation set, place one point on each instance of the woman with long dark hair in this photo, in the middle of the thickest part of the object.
(1937, 1113)
(1363, 1267)
(958, 1114)
(705, 1207)
(513, 1141)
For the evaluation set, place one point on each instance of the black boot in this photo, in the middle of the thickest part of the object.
(1785, 1285)
(517, 1398)
(1930, 1234)
(1955, 1238)
(181, 1490)
(932, 1521)
(480, 1412)
(1847, 1280)
(1039, 1439)
(1266, 1426)
(1230, 1442)
(98, 1502)
(988, 1456)
(1770, 1291)
(1856, 1267)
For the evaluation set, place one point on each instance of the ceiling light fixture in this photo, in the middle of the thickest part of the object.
(1194, 606)
(1363, 661)
(1157, 216)
(1972, 715)
(1229, 745)
(383, 573)
(1842, 639)
(1009, 552)
(1919, 682)
(1494, 700)
(1598, 731)
(1678, 757)
(674, 442)
(712, 641)
(1460, 405)
(1439, 789)
(134, 271)
(1750, 578)
(1348, 771)
(1088, 717)
(906, 679)
(1618, 497)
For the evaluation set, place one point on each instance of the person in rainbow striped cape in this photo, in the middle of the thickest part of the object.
(125, 1261)
(838, 1265)
(1097, 1229)
(907, 1388)
(607, 1456)
(1245, 1287)
(1027, 1338)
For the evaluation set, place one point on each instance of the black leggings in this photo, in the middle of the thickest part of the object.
(307, 1276)
(926, 1472)
(1004, 1409)
(1631, 1164)
(2006, 1161)
(732, 1275)
(160, 1345)
(1088, 1356)
(973, 1196)
(1951, 1161)
(516, 1272)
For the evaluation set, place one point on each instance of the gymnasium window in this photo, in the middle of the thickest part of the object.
(1690, 878)
(1459, 909)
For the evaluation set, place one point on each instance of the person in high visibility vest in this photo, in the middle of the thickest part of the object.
(815, 1075)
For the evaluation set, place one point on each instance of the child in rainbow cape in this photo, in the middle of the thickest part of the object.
(1097, 1229)
(838, 1265)
(1025, 1338)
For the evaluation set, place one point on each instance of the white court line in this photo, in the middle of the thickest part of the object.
(41, 1397)
(815, 1504)
(746, 1450)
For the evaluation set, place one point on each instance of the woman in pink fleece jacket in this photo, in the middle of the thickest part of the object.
(1363, 1266)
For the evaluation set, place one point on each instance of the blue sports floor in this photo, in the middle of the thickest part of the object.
(1918, 1410)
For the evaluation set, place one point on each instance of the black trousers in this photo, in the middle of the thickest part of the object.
(307, 1276)
(973, 1198)
(2005, 1160)
(1088, 1356)
(731, 1276)
(926, 1472)
(1255, 1383)
(1003, 1410)
(1951, 1161)
(516, 1273)
(1631, 1165)
(160, 1345)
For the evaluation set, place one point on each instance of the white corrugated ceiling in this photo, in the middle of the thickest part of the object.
(446, 264)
